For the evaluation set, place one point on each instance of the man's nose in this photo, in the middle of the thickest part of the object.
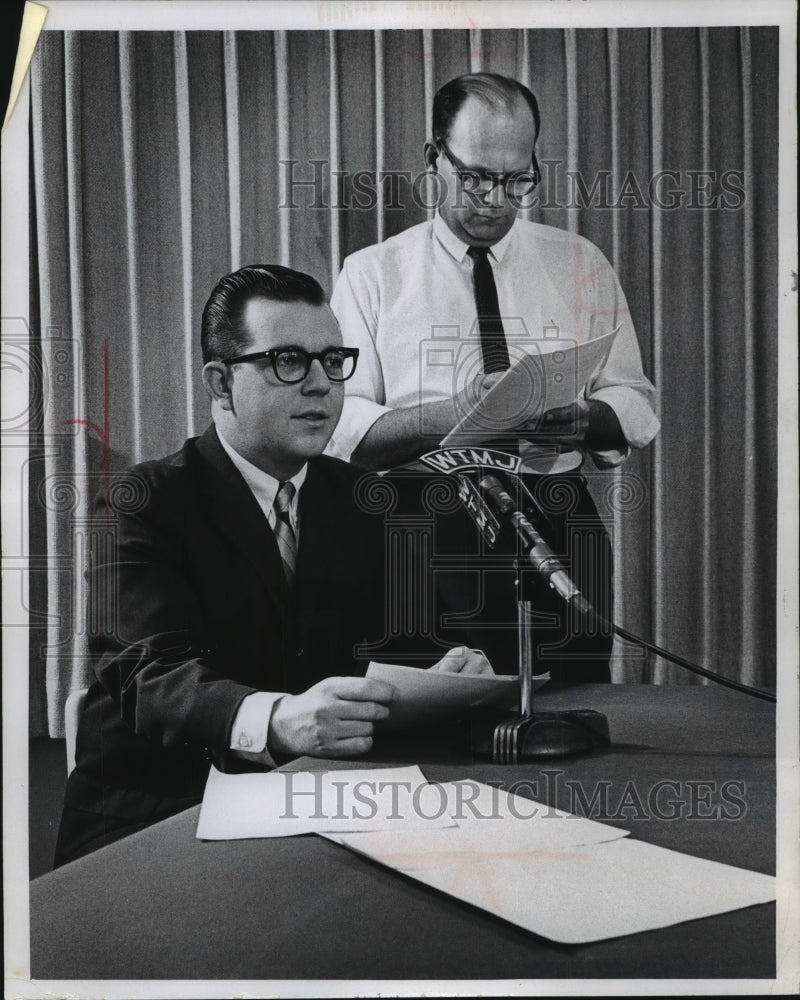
(316, 381)
(497, 197)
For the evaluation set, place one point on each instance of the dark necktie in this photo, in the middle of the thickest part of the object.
(284, 533)
(493, 339)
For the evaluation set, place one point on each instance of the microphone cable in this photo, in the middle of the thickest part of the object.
(693, 667)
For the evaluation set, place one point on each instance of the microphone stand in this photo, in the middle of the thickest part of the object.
(513, 738)
(525, 652)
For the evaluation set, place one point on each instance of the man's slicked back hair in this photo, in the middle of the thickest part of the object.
(222, 332)
(495, 90)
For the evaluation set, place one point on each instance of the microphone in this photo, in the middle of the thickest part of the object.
(539, 553)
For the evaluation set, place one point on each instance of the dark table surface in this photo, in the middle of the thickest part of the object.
(691, 769)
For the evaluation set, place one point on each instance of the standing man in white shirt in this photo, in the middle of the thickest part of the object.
(440, 310)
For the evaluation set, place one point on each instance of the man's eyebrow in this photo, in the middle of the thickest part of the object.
(497, 173)
(305, 350)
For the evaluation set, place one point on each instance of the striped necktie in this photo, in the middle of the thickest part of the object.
(284, 533)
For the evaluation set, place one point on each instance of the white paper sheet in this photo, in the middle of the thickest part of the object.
(288, 803)
(586, 894)
(585, 888)
(427, 695)
(550, 377)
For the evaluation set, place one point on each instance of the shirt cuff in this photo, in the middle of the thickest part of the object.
(251, 726)
(358, 415)
(638, 422)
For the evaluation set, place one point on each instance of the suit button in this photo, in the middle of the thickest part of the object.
(300, 651)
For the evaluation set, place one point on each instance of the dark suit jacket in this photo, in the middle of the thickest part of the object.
(189, 613)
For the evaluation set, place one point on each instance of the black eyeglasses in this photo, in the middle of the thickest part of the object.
(292, 364)
(480, 182)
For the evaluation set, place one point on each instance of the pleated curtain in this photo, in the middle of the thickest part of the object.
(163, 160)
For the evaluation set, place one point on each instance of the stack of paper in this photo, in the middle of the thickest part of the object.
(565, 877)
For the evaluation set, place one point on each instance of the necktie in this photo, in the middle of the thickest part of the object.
(284, 533)
(494, 349)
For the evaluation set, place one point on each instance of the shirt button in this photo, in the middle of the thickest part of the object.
(244, 742)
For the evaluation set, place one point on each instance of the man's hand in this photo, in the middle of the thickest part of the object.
(472, 393)
(589, 424)
(463, 660)
(397, 436)
(334, 718)
(565, 426)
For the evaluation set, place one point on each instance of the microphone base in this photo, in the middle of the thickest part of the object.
(538, 736)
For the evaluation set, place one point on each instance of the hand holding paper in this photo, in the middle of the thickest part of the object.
(463, 660)
(334, 718)
(549, 379)
(425, 696)
(564, 425)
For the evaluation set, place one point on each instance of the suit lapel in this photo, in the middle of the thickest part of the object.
(235, 511)
(316, 555)
(328, 532)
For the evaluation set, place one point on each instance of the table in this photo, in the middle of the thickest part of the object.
(161, 904)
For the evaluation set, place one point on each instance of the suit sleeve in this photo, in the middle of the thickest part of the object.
(149, 635)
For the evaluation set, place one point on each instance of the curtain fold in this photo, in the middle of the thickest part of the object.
(162, 160)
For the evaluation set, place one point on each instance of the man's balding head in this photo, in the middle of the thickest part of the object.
(498, 92)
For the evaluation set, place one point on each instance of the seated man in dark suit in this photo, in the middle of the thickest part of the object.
(240, 578)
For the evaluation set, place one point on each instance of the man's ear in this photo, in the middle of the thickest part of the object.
(217, 379)
(431, 153)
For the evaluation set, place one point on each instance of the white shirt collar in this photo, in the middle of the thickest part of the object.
(458, 249)
(263, 486)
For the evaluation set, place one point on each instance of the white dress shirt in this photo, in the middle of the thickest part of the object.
(251, 723)
(408, 305)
